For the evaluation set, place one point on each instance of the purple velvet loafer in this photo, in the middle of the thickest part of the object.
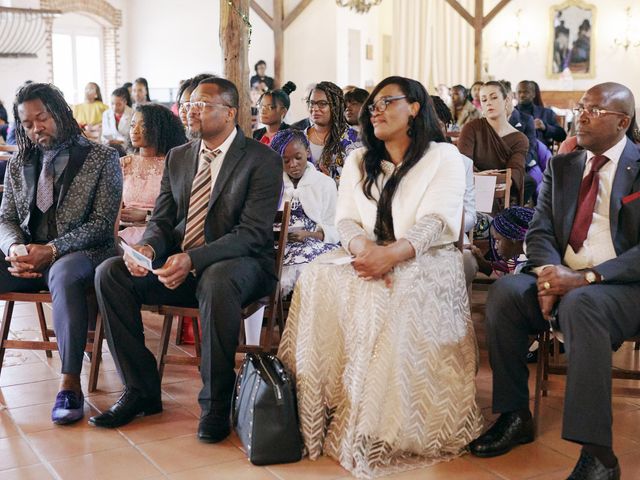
(69, 408)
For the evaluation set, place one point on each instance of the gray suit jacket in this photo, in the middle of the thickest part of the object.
(242, 206)
(87, 207)
(550, 228)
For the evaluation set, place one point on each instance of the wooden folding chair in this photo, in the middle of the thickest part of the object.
(544, 368)
(94, 337)
(273, 304)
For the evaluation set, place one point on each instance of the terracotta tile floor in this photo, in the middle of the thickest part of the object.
(164, 446)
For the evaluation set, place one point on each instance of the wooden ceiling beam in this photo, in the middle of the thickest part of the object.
(262, 13)
(295, 13)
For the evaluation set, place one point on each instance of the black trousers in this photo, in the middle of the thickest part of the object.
(592, 319)
(220, 292)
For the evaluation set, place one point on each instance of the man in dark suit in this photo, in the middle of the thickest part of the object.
(547, 128)
(61, 200)
(211, 239)
(584, 247)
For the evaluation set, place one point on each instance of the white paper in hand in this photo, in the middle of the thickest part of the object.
(137, 258)
(20, 250)
(342, 260)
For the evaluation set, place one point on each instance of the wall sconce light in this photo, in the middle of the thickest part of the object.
(519, 41)
(628, 39)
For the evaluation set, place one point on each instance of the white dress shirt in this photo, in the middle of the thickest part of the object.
(216, 164)
(598, 246)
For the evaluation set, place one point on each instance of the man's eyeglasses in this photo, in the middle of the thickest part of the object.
(382, 104)
(321, 104)
(200, 106)
(595, 112)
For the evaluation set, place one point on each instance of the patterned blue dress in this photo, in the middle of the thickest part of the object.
(298, 254)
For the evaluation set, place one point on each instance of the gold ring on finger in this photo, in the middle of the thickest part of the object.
(546, 285)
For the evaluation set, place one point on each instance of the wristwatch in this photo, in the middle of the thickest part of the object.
(591, 276)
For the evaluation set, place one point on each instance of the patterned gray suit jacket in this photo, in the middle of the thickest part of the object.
(87, 207)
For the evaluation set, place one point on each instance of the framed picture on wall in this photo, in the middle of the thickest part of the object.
(572, 39)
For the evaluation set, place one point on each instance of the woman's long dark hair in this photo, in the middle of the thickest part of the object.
(123, 93)
(163, 129)
(333, 145)
(57, 107)
(143, 81)
(424, 129)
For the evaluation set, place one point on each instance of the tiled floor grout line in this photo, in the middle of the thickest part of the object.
(144, 454)
(43, 461)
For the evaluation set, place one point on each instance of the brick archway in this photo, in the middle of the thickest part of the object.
(109, 17)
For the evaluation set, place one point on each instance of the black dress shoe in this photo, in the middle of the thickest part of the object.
(509, 431)
(214, 427)
(590, 468)
(130, 404)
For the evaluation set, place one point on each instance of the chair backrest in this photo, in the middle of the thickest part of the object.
(280, 234)
(8, 148)
(502, 193)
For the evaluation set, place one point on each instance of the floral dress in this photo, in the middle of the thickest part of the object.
(348, 143)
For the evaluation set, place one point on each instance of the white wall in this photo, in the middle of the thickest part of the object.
(14, 71)
(168, 41)
(611, 63)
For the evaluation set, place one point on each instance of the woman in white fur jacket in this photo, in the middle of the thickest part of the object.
(313, 198)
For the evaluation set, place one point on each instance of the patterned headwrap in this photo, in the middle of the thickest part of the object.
(283, 138)
(512, 223)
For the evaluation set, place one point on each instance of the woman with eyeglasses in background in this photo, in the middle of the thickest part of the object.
(154, 131)
(331, 139)
(273, 106)
(383, 340)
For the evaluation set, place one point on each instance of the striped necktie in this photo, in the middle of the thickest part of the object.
(199, 202)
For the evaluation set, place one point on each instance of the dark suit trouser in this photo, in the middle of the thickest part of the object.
(219, 292)
(67, 280)
(592, 319)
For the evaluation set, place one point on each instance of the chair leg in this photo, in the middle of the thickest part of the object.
(637, 346)
(4, 330)
(179, 330)
(196, 338)
(164, 342)
(543, 349)
(96, 354)
(538, 393)
(43, 326)
(271, 322)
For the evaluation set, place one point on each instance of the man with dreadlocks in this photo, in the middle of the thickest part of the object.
(331, 138)
(61, 199)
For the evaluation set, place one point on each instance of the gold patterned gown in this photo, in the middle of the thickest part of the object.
(385, 376)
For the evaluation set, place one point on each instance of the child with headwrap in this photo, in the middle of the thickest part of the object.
(507, 232)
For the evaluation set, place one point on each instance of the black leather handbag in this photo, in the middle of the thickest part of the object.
(265, 413)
